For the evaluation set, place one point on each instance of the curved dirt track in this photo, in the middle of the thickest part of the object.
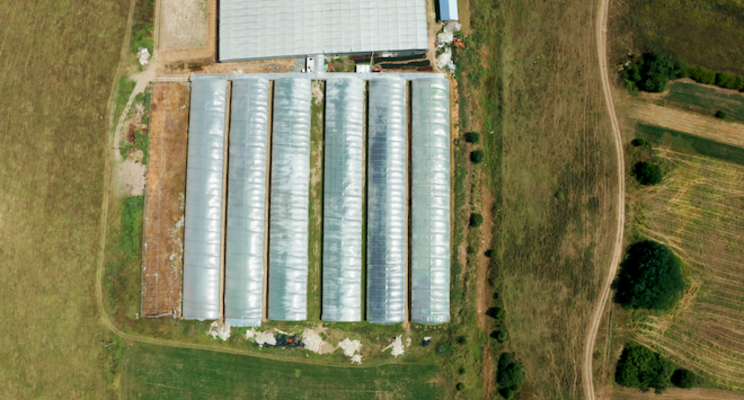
(591, 337)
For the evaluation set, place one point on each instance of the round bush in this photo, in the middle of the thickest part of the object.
(648, 173)
(638, 142)
(460, 386)
(684, 379)
(721, 114)
(472, 137)
(491, 253)
(650, 277)
(476, 220)
(477, 156)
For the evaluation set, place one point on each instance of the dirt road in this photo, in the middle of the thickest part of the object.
(591, 337)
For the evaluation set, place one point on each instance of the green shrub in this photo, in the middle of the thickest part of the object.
(491, 253)
(703, 75)
(477, 156)
(476, 220)
(650, 277)
(641, 368)
(500, 336)
(560, 195)
(510, 375)
(508, 393)
(684, 379)
(497, 313)
(460, 386)
(721, 114)
(472, 137)
(739, 83)
(648, 173)
(638, 142)
(726, 80)
(653, 70)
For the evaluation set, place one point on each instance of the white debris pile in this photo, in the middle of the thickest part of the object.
(452, 26)
(261, 338)
(350, 346)
(218, 330)
(398, 349)
(444, 60)
(143, 55)
(445, 38)
(312, 340)
(408, 342)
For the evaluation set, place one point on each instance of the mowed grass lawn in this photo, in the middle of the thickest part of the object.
(162, 373)
(57, 65)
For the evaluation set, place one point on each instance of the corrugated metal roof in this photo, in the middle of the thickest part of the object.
(260, 29)
(448, 10)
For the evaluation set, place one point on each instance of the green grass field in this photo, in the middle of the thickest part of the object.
(57, 70)
(709, 33)
(161, 373)
(529, 83)
(689, 144)
(707, 100)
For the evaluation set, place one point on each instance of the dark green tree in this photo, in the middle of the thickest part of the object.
(510, 374)
(477, 156)
(703, 75)
(721, 114)
(650, 277)
(476, 220)
(726, 80)
(657, 68)
(648, 173)
(472, 137)
(641, 368)
(684, 379)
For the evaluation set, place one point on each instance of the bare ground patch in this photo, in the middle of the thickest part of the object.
(166, 183)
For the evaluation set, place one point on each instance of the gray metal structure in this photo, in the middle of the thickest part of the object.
(246, 203)
(204, 192)
(386, 202)
(430, 202)
(342, 212)
(262, 29)
(290, 186)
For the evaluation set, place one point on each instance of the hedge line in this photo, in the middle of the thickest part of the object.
(651, 71)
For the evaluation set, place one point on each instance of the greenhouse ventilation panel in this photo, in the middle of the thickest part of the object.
(386, 197)
(246, 203)
(430, 206)
(203, 220)
(342, 213)
(290, 185)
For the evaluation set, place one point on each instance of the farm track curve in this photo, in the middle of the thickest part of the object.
(587, 367)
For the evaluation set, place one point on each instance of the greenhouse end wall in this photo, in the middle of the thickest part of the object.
(342, 197)
(386, 202)
(430, 202)
(290, 186)
(204, 189)
(246, 203)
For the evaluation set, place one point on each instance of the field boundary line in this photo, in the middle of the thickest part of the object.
(591, 338)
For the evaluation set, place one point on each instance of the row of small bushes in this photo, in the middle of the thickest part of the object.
(641, 368)
(651, 71)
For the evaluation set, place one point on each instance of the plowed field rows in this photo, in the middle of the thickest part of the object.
(698, 212)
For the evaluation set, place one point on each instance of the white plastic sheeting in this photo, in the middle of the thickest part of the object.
(246, 203)
(203, 223)
(342, 212)
(290, 185)
(430, 207)
(386, 202)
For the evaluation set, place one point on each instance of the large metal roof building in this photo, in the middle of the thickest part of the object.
(264, 29)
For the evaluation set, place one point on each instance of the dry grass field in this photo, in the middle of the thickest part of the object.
(529, 83)
(57, 67)
(697, 211)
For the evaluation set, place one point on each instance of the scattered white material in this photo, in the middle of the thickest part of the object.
(279, 331)
(427, 338)
(356, 359)
(452, 26)
(143, 55)
(444, 58)
(217, 330)
(350, 346)
(250, 334)
(445, 38)
(408, 342)
(312, 340)
(397, 346)
(363, 68)
(265, 337)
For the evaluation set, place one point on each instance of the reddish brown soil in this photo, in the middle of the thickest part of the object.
(164, 195)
